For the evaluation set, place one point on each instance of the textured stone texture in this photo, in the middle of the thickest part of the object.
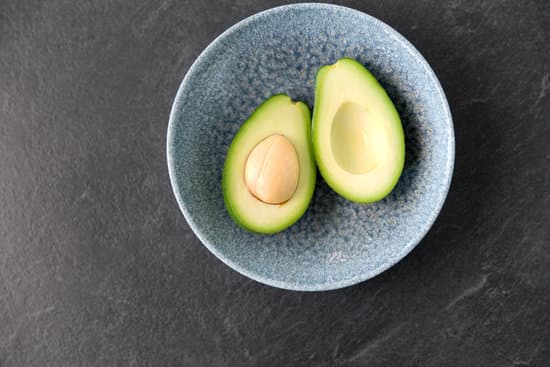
(98, 267)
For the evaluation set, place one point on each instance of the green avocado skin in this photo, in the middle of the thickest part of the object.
(320, 149)
(245, 220)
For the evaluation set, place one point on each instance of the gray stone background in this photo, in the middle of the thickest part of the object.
(98, 267)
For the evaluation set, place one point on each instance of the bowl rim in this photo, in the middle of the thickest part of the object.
(328, 285)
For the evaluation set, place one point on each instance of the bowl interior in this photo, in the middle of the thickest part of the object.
(336, 243)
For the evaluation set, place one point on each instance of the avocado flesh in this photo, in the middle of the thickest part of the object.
(277, 115)
(358, 139)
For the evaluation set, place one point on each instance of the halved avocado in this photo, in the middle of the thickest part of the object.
(358, 139)
(272, 150)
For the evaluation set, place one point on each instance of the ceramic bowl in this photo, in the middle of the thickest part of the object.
(336, 243)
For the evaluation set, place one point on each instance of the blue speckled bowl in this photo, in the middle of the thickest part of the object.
(336, 243)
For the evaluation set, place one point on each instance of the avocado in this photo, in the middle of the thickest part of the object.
(358, 139)
(269, 172)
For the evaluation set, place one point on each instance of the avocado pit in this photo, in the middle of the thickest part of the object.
(272, 170)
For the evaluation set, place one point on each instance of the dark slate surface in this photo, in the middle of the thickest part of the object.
(98, 267)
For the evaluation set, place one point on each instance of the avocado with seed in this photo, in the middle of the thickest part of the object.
(358, 139)
(269, 172)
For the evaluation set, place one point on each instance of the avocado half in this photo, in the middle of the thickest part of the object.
(282, 116)
(358, 138)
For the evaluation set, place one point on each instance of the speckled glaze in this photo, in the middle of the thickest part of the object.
(336, 243)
